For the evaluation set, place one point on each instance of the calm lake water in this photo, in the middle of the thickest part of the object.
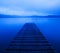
(9, 27)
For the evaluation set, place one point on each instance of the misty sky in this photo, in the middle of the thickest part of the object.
(30, 7)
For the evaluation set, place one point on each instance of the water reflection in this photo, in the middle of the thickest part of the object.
(22, 20)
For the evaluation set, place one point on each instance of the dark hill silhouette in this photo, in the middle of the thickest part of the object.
(8, 16)
(34, 16)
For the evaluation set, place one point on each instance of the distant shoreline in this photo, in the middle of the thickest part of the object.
(34, 16)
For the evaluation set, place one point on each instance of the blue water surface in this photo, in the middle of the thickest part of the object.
(9, 27)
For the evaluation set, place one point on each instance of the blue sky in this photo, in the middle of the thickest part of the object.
(30, 7)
